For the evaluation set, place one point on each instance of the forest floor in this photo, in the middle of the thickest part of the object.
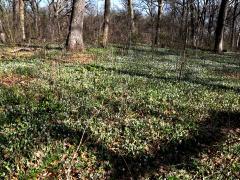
(119, 114)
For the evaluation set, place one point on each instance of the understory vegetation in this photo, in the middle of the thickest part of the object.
(119, 113)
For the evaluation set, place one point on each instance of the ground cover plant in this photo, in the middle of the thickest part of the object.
(123, 113)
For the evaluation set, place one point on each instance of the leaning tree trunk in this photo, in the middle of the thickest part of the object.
(105, 31)
(220, 27)
(159, 14)
(75, 35)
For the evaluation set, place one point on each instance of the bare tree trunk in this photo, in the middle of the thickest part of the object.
(159, 14)
(36, 24)
(238, 40)
(75, 35)
(59, 29)
(181, 30)
(173, 17)
(15, 6)
(2, 34)
(131, 17)
(201, 22)
(192, 21)
(220, 27)
(105, 31)
(22, 19)
(233, 24)
(211, 18)
(186, 28)
(35, 10)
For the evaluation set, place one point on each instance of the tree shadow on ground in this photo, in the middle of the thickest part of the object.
(208, 134)
(36, 46)
(205, 138)
(149, 50)
(203, 82)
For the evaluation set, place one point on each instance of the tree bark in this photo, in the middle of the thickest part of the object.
(22, 19)
(131, 17)
(211, 18)
(201, 21)
(105, 31)
(35, 10)
(2, 33)
(233, 24)
(75, 35)
(192, 21)
(220, 27)
(238, 40)
(15, 6)
(159, 14)
(181, 29)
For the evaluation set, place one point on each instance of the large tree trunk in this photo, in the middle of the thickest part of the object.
(22, 19)
(159, 14)
(105, 31)
(220, 27)
(131, 17)
(75, 35)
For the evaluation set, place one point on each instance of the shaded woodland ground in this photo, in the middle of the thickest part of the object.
(119, 114)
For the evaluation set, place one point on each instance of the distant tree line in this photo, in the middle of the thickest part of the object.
(208, 24)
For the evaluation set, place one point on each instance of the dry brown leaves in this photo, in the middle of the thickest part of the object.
(24, 52)
(228, 74)
(19, 52)
(234, 75)
(11, 80)
(81, 58)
